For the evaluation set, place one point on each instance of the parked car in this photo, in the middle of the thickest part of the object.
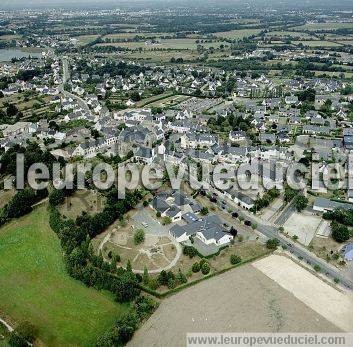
(145, 224)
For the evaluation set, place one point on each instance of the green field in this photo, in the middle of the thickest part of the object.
(238, 34)
(283, 34)
(177, 44)
(34, 286)
(86, 39)
(324, 26)
(317, 43)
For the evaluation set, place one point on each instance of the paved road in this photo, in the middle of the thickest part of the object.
(66, 71)
(82, 103)
(66, 76)
(296, 249)
(285, 214)
(299, 251)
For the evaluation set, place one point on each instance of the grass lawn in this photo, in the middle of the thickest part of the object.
(34, 286)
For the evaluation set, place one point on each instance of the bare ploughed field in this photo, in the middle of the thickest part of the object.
(243, 299)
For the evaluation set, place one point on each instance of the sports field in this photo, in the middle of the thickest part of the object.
(34, 286)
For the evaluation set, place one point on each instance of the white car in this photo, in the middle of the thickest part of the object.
(145, 224)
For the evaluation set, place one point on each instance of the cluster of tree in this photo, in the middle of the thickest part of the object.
(21, 204)
(235, 259)
(125, 327)
(307, 95)
(170, 280)
(10, 114)
(228, 123)
(32, 154)
(341, 220)
(202, 266)
(73, 233)
(340, 232)
(113, 68)
(190, 251)
(272, 244)
(82, 264)
(289, 193)
(347, 90)
(139, 236)
(265, 200)
(24, 335)
(300, 202)
(177, 60)
(344, 217)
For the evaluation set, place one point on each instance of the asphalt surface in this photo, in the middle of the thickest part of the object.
(297, 250)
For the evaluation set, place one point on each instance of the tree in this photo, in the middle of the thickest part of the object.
(24, 333)
(300, 202)
(205, 268)
(135, 96)
(195, 267)
(233, 231)
(139, 236)
(56, 197)
(144, 306)
(127, 325)
(146, 277)
(289, 194)
(167, 220)
(180, 277)
(235, 259)
(127, 287)
(272, 244)
(128, 266)
(340, 233)
(204, 211)
(190, 251)
(164, 278)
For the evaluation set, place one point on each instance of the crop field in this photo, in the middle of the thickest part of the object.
(32, 269)
(177, 44)
(9, 37)
(292, 34)
(160, 56)
(85, 39)
(243, 299)
(329, 26)
(238, 34)
(130, 35)
(317, 43)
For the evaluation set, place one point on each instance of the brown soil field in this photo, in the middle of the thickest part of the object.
(243, 299)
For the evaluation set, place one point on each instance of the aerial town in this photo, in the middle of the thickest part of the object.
(263, 86)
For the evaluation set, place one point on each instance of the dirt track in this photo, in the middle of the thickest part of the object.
(332, 304)
(241, 300)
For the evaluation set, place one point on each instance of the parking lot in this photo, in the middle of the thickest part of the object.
(143, 218)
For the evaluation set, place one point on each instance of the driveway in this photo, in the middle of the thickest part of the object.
(154, 227)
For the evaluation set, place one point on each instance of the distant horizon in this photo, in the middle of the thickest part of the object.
(89, 4)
